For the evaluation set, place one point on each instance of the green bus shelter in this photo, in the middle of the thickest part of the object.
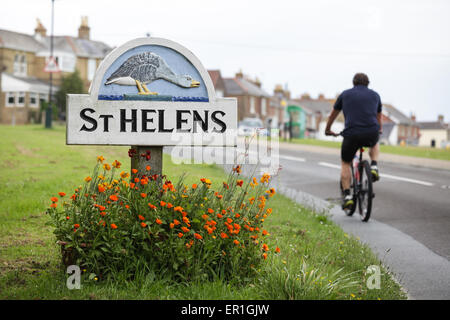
(298, 120)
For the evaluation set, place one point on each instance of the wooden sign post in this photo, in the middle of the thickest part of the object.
(150, 93)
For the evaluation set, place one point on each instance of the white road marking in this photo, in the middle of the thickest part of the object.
(330, 165)
(384, 175)
(292, 158)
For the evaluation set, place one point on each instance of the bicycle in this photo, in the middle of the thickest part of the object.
(361, 186)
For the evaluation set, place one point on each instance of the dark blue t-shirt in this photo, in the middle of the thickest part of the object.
(360, 106)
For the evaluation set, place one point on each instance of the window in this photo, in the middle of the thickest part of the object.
(92, 66)
(20, 65)
(10, 99)
(252, 105)
(263, 107)
(33, 100)
(20, 99)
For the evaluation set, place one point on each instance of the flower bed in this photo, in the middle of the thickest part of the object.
(144, 223)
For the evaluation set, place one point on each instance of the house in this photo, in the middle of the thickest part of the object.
(218, 82)
(252, 100)
(316, 113)
(23, 57)
(398, 128)
(434, 133)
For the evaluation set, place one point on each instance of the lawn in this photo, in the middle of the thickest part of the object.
(317, 260)
(410, 151)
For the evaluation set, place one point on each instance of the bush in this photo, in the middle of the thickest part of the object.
(145, 224)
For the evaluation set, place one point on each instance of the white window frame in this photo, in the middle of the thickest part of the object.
(7, 96)
(18, 96)
(20, 65)
(36, 100)
(91, 68)
(252, 105)
(263, 106)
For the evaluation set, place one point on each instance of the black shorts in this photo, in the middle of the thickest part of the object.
(351, 144)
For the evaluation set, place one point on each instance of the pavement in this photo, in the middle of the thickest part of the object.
(409, 228)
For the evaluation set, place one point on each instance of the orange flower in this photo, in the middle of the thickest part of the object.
(180, 234)
(113, 226)
(277, 250)
(162, 203)
(265, 256)
(158, 221)
(152, 206)
(67, 218)
(113, 197)
(239, 183)
(205, 217)
(106, 167)
(237, 215)
(134, 171)
(197, 236)
(53, 205)
(76, 225)
(143, 224)
(101, 188)
(54, 199)
(236, 242)
(100, 159)
(61, 194)
(223, 235)
(141, 217)
(210, 210)
(176, 222)
(265, 233)
(143, 195)
(148, 168)
(116, 164)
(124, 175)
(184, 229)
(87, 179)
(219, 216)
(169, 205)
(265, 247)
(171, 225)
(194, 186)
(178, 208)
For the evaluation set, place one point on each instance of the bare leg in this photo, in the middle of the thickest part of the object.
(346, 175)
(374, 152)
(148, 91)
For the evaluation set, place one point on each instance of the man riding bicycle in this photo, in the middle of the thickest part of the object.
(362, 112)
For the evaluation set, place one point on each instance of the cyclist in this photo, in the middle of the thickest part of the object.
(362, 112)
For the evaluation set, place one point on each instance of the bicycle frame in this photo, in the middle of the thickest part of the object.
(355, 163)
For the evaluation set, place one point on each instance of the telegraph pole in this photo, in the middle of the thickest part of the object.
(49, 111)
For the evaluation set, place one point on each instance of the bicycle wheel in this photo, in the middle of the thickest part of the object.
(350, 211)
(365, 192)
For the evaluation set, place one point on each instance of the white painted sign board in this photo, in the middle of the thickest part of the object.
(151, 92)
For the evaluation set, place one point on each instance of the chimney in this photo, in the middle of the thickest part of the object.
(278, 89)
(240, 75)
(257, 82)
(413, 117)
(441, 118)
(321, 96)
(40, 29)
(305, 96)
(84, 30)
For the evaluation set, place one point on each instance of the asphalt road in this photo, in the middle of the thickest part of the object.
(414, 200)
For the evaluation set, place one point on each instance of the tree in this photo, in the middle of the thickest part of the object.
(69, 84)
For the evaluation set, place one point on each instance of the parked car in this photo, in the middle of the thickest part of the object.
(251, 126)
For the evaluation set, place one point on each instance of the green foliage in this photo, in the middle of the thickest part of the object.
(115, 226)
(69, 84)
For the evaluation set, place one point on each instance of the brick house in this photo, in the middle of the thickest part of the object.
(252, 100)
(24, 84)
(398, 128)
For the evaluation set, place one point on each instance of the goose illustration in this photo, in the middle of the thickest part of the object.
(144, 68)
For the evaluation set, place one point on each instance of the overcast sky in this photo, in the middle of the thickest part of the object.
(310, 46)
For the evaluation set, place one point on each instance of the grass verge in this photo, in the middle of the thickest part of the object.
(317, 260)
